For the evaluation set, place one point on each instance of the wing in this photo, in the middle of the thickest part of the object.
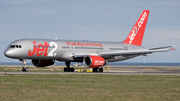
(128, 52)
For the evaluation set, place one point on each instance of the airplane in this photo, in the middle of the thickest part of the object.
(94, 54)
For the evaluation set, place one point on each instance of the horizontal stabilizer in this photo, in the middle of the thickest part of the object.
(161, 47)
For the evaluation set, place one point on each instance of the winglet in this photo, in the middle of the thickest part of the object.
(135, 37)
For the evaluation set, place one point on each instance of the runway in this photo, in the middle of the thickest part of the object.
(116, 70)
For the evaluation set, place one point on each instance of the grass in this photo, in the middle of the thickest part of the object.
(67, 87)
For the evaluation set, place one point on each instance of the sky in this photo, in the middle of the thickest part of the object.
(94, 20)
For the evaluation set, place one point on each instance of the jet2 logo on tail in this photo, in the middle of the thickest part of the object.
(43, 49)
(137, 27)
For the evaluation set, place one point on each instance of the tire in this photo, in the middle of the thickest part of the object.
(100, 70)
(23, 69)
(65, 69)
(68, 69)
(94, 69)
(26, 70)
(72, 69)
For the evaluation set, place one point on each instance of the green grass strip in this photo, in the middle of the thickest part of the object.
(67, 87)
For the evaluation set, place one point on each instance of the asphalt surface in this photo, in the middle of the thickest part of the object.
(118, 70)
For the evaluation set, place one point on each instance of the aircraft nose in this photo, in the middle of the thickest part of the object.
(8, 53)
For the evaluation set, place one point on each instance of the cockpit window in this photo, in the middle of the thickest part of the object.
(15, 46)
(12, 46)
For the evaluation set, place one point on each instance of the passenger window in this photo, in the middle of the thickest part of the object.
(20, 46)
(16, 46)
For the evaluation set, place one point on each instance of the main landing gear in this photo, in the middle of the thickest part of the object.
(98, 69)
(68, 69)
(24, 69)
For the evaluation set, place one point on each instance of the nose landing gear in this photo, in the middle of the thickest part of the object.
(24, 68)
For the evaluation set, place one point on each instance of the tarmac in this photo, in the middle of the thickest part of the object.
(114, 70)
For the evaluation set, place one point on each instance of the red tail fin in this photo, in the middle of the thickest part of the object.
(135, 37)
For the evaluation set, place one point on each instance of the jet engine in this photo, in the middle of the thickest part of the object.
(94, 61)
(42, 63)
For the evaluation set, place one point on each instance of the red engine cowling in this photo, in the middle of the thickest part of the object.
(94, 61)
(42, 63)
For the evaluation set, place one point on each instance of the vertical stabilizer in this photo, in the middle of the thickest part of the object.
(135, 37)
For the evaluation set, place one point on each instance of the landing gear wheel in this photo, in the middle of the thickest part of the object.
(72, 69)
(68, 69)
(100, 70)
(95, 69)
(24, 69)
(65, 69)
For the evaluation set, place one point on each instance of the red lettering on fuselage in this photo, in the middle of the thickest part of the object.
(39, 50)
(84, 44)
(34, 50)
(46, 48)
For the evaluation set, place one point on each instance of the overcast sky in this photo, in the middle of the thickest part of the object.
(96, 20)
